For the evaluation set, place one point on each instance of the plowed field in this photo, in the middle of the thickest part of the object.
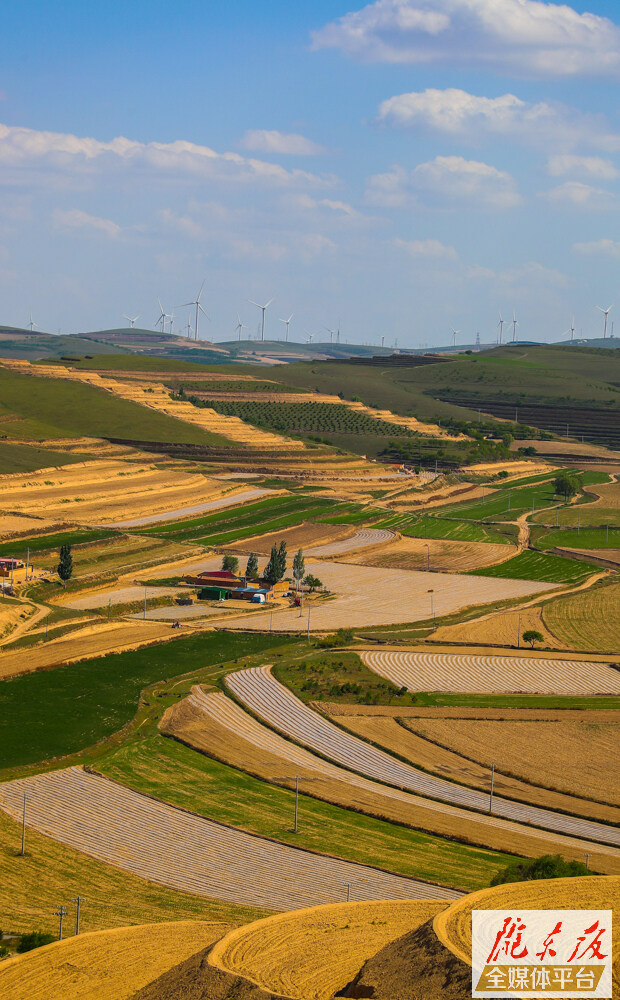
(447, 556)
(311, 954)
(490, 673)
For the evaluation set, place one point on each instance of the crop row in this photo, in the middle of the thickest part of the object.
(255, 511)
(306, 417)
(530, 565)
(43, 543)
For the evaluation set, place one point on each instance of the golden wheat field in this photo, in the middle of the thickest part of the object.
(300, 536)
(500, 629)
(448, 556)
(311, 954)
(104, 965)
(433, 745)
(588, 620)
(571, 756)
(453, 925)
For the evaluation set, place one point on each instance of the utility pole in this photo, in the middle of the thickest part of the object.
(27, 561)
(23, 850)
(61, 913)
(308, 634)
(348, 885)
(428, 558)
(271, 620)
(109, 606)
(587, 857)
(77, 900)
(492, 786)
(519, 633)
(296, 802)
(145, 602)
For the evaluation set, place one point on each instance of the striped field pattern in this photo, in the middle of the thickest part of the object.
(470, 673)
(360, 540)
(274, 703)
(187, 852)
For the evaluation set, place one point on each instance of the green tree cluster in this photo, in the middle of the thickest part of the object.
(548, 866)
(276, 567)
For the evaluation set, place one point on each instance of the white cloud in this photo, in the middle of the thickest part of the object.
(459, 113)
(523, 37)
(22, 147)
(181, 223)
(521, 278)
(289, 144)
(447, 179)
(74, 218)
(604, 248)
(592, 166)
(427, 248)
(579, 195)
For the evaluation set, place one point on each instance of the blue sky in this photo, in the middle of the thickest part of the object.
(399, 168)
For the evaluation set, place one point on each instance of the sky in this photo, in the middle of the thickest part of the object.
(398, 170)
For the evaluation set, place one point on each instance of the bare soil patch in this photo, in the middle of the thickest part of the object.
(444, 555)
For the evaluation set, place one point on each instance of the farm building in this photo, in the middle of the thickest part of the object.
(217, 578)
(9, 563)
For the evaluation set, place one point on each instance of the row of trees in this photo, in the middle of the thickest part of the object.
(275, 570)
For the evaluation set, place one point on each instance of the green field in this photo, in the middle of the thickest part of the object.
(540, 566)
(127, 363)
(444, 527)
(582, 515)
(29, 458)
(506, 504)
(581, 538)
(63, 408)
(45, 543)
(57, 712)
(175, 774)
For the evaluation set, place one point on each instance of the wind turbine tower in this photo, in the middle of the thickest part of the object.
(32, 324)
(131, 320)
(501, 328)
(264, 310)
(605, 313)
(239, 327)
(196, 302)
(514, 326)
(287, 323)
(163, 316)
(455, 333)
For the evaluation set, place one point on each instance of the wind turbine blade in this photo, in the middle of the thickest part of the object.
(253, 303)
(269, 303)
(182, 305)
(200, 292)
(203, 312)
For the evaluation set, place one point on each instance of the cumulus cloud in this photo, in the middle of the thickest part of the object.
(74, 218)
(578, 195)
(444, 179)
(458, 113)
(427, 248)
(22, 147)
(523, 37)
(598, 248)
(592, 166)
(288, 144)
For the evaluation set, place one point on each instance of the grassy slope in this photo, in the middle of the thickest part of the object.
(61, 711)
(584, 538)
(31, 887)
(71, 409)
(130, 363)
(176, 774)
(27, 458)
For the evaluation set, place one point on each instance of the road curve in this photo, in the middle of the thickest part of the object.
(187, 852)
(198, 508)
(274, 703)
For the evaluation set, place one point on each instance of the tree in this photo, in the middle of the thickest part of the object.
(533, 636)
(272, 569)
(312, 581)
(299, 567)
(33, 940)
(251, 570)
(281, 560)
(65, 565)
(230, 564)
(548, 866)
(565, 485)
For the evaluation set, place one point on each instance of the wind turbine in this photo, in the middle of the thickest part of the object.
(199, 309)
(571, 330)
(163, 316)
(605, 313)
(32, 324)
(240, 326)
(514, 326)
(264, 309)
(455, 333)
(188, 327)
(131, 320)
(309, 337)
(501, 327)
(287, 323)
(171, 322)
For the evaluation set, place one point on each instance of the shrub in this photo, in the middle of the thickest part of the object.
(35, 939)
(230, 564)
(548, 866)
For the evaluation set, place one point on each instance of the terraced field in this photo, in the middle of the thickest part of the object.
(143, 836)
(104, 965)
(487, 673)
(439, 554)
(230, 500)
(588, 620)
(268, 699)
(311, 954)
(362, 539)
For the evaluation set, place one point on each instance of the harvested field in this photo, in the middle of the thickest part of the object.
(22, 524)
(121, 595)
(609, 555)
(420, 742)
(268, 699)
(193, 611)
(446, 556)
(311, 954)
(434, 961)
(550, 754)
(500, 629)
(104, 965)
(230, 500)
(588, 620)
(489, 673)
(142, 835)
(362, 539)
(114, 557)
(106, 490)
(297, 537)
(367, 595)
(593, 715)
(83, 644)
